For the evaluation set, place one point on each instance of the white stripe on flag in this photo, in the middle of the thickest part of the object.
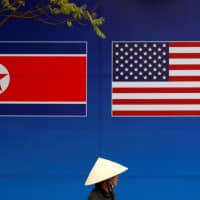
(183, 61)
(184, 72)
(156, 96)
(184, 49)
(43, 55)
(155, 107)
(164, 84)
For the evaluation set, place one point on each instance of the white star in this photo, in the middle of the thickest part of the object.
(140, 57)
(4, 78)
(154, 53)
(136, 53)
(126, 53)
(145, 45)
(154, 69)
(131, 73)
(164, 69)
(126, 45)
(145, 53)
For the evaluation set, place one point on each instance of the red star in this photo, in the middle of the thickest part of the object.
(1, 77)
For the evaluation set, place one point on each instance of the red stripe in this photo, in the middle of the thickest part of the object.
(184, 44)
(45, 78)
(184, 55)
(154, 101)
(156, 90)
(184, 78)
(156, 113)
(184, 67)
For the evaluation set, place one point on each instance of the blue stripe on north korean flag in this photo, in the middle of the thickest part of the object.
(43, 47)
(43, 109)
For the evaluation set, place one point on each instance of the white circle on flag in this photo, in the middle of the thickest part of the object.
(4, 78)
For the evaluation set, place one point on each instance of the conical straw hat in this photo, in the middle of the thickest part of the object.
(104, 169)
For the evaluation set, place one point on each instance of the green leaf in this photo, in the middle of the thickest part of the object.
(7, 4)
(54, 11)
(98, 21)
(99, 32)
(95, 23)
(21, 2)
(69, 23)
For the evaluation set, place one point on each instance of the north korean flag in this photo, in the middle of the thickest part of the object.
(43, 78)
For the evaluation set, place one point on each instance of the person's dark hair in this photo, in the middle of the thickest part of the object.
(98, 185)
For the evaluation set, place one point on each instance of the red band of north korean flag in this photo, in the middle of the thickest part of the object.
(43, 78)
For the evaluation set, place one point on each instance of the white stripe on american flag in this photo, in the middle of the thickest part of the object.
(151, 84)
(165, 98)
(156, 107)
(156, 96)
(184, 73)
(183, 61)
(184, 49)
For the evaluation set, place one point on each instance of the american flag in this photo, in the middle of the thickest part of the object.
(156, 79)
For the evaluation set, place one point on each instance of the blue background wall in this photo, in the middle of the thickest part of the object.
(49, 158)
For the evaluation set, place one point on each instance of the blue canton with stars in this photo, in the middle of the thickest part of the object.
(140, 61)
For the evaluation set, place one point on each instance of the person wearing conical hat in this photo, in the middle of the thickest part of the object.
(104, 175)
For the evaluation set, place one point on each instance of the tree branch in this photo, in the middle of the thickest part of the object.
(55, 12)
